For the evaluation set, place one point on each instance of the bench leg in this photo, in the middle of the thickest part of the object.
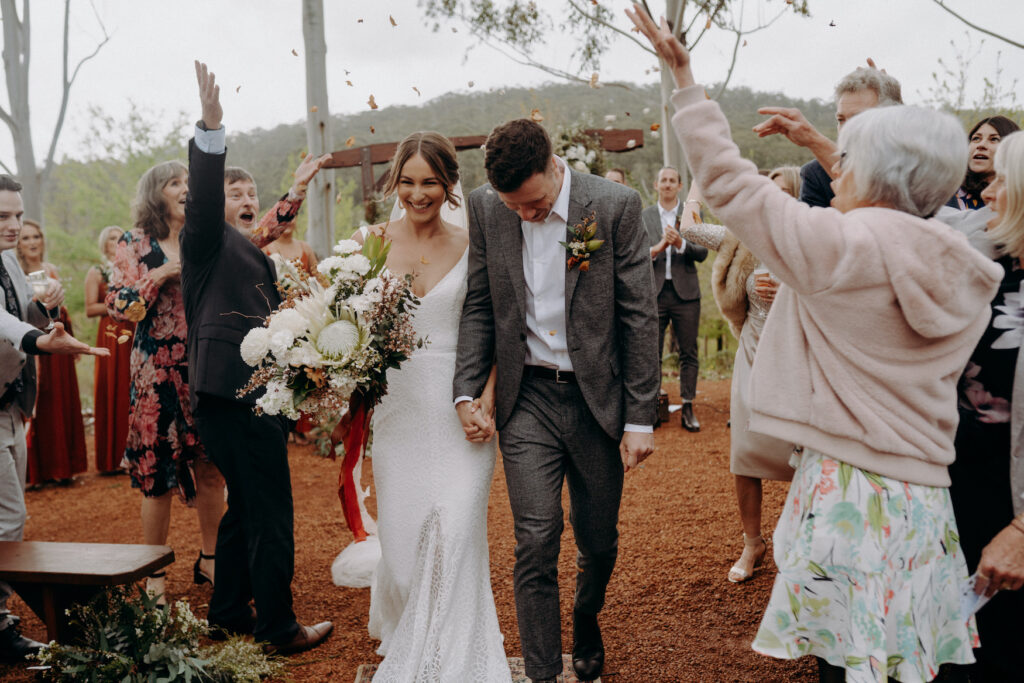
(51, 602)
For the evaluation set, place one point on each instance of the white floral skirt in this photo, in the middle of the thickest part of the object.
(869, 575)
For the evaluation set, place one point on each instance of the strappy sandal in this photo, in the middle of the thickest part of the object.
(738, 574)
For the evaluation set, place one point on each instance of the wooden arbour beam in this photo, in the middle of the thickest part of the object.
(366, 157)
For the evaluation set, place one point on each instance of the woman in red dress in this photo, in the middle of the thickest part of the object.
(112, 379)
(56, 435)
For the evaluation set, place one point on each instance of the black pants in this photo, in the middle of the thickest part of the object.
(255, 542)
(551, 438)
(685, 319)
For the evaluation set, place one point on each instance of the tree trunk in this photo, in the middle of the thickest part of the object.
(16, 53)
(320, 194)
(671, 151)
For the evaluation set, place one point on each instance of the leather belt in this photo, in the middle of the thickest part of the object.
(550, 374)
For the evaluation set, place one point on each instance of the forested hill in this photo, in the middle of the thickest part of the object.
(266, 152)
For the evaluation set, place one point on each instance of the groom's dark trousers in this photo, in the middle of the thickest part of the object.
(228, 288)
(550, 437)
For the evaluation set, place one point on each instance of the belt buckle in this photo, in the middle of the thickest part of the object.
(558, 377)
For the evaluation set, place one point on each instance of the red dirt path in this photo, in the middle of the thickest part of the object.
(670, 615)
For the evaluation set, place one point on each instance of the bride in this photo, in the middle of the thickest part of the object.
(431, 603)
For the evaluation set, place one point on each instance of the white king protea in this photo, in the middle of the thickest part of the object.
(338, 339)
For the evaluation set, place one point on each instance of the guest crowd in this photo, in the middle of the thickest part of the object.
(876, 369)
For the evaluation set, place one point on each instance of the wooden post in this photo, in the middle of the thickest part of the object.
(320, 193)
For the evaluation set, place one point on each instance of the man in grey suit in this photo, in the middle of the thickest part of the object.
(676, 284)
(20, 320)
(574, 341)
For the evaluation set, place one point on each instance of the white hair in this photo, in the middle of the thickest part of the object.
(908, 158)
(1009, 167)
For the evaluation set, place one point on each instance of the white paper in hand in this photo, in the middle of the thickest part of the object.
(970, 602)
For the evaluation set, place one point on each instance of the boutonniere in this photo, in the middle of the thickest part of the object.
(581, 243)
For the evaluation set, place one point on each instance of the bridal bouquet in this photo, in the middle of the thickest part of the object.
(335, 334)
(327, 348)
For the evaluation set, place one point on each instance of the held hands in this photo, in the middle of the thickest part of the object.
(664, 42)
(766, 287)
(1002, 563)
(305, 173)
(672, 237)
(58, 341)
(634, 448)
(477, 419)
(209, 97)
(54, 295)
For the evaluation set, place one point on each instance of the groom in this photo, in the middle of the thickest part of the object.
(578, 375)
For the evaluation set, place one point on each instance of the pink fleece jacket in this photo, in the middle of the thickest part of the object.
(878, 315)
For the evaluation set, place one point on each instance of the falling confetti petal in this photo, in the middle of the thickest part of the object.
(238, 88)
(347, 72)
(535, 115)
(314, 109)
(631, 143)
(372, 102)
(294, 52)
(593, 80)
(647, 110)
(372, 130)
(122, 339)
(392, 20)
(744, 43)
(708, 24)
(471, 84)
(454, 30)
(359, 21)
(655, 127)
(351, 141)
(417, 91)
(424, 261)
(627, 113)
(832, 23)
(349, 83)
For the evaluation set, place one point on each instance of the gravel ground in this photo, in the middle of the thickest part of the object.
(670, 616)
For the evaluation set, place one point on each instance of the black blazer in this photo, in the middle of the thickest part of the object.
(815, 184)
(684, 268)
(227, 284)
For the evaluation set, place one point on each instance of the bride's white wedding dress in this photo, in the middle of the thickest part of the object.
(431, 603)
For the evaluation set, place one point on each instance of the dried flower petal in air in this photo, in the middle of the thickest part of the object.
(744, 43)
(424, 261)
(294, 52)
(655, 126)
(708, 24)
(417, 91)
(123, 339)
(372, 130)
(593, 80)
(349, 84)
(314, 109)
(536, 116)
(238, 88)
(359, 21)
(454, 30)
(392, 20)
(372, 102)
(471, 84)
(630, 143)
(351, 141)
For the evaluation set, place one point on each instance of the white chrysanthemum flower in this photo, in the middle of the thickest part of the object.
(288, 320)
(304, 354)
(337, 339)
(255, 345)
(328, 264)
(345, 247)
(280, 342)
(356, 263)
(373, 285)
(361, 303)
(276, 399)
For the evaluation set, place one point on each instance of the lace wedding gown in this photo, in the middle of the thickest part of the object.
(431, 603)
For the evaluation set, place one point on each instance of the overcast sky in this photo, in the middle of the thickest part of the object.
(249, 44)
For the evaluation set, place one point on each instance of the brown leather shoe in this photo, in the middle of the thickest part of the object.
(307, 638)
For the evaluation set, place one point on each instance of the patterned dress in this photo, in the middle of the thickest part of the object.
(981, 491)
(162, 440)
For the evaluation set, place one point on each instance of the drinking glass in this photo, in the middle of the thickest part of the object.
(40, 282)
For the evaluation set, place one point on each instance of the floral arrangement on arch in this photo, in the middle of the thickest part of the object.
(582, 151)
(335, 334)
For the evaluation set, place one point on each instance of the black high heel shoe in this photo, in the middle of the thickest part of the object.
(199, 577)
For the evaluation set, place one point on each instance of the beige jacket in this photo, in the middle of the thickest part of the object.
(877, 316)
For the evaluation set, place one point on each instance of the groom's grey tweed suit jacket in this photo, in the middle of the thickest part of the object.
(611, 310)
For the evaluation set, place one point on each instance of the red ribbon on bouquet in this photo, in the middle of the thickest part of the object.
(355, 442)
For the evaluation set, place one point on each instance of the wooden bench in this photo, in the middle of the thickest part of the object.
(50, 577)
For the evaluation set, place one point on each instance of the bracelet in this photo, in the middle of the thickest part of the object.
(1017, 524)
(692, 201)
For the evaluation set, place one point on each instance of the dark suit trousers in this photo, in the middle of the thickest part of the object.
(685, 319)
(255, 543)
(550, 437)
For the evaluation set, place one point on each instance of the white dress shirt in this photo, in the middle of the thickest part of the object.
(668, 219)
(544, 271)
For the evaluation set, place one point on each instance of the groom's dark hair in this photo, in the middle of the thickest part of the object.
(514, 152)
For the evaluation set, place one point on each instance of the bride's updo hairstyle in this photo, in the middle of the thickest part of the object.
(439, 153)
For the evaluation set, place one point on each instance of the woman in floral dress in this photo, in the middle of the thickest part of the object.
(879, 309)
(163, 450)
